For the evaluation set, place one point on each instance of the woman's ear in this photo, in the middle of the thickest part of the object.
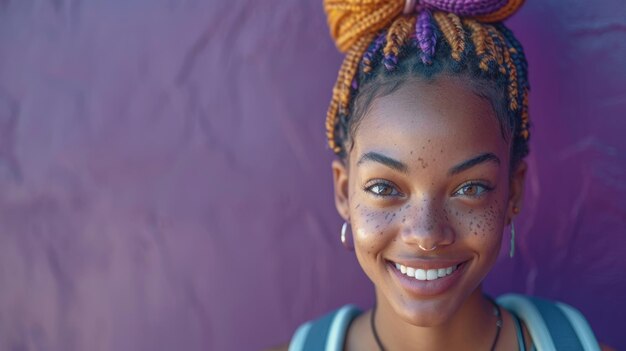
(516, 191)
(340, 179)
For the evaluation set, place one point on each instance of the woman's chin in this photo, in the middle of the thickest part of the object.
(425, 314)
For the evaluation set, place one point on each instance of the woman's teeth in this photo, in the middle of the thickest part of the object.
(426, 274)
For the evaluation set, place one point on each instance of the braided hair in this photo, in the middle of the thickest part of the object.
(385, 46)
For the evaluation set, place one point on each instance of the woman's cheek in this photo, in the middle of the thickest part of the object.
(479, 223)
(372, 228)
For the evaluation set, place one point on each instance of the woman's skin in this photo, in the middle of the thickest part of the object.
(430, 167)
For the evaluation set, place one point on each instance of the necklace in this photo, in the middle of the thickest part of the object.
(496, 312)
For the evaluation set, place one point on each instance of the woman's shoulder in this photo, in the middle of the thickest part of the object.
(552, 324)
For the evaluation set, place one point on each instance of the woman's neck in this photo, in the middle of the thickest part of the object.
(471, 327)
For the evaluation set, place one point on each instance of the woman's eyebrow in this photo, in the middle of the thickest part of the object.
(467, 164)
(387, 161)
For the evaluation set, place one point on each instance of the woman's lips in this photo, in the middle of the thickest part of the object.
(428, 278)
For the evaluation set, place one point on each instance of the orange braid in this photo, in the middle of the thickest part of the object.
(504, 12)
(350, 20)
(398, 34)
(450, 25)
(510, 67)
(524, 127)
(483, 43)
(354, 23)
(499, 53)
(341, 91)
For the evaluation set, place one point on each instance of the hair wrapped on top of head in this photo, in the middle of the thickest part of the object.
(375, 32)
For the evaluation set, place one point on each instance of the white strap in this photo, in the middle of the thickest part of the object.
(297, 341)
(337, 333)
(527, 311)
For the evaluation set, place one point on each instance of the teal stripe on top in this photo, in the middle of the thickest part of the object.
(581, 326)
(558, 325)
(318, 333)
(552, 326)
(528, 312)
(327, 333)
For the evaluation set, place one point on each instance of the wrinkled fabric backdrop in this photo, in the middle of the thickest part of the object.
(165, 182)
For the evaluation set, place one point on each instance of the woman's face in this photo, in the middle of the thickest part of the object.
(428, 187)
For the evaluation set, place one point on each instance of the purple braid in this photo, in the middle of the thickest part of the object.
(468, 8)
(426, 35)
(390, 61)
(443, 34)
(368, 57)
(355, 84)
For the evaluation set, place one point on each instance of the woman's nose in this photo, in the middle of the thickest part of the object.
(426, 226)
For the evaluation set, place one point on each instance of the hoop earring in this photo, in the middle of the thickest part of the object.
(344, 239)
(512, 251)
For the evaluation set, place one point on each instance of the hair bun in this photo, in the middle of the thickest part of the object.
(350, 20)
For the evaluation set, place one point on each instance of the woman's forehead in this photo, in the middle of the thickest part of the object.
(443, 117)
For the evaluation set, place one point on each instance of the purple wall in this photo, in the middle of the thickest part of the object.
(165, 184)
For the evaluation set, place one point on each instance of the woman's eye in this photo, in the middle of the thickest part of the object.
(472, 190)
(382, 189)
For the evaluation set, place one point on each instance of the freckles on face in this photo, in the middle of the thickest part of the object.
(428, 167)
(378, 228)
(482, 223)
(371, 223)
(373, 229)
(430, 134)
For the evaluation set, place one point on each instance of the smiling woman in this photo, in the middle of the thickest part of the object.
(429, 120)
(427, 196)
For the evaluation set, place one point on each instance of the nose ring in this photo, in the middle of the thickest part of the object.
(425, 249)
